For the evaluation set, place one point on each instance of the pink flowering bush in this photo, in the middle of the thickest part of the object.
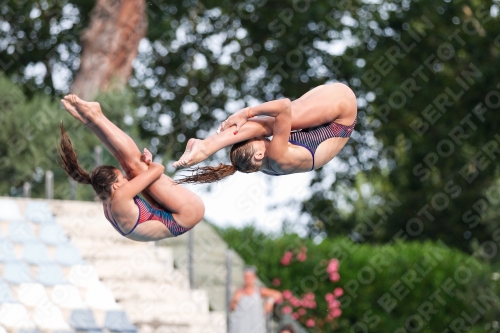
(303, 307)
(325, 288)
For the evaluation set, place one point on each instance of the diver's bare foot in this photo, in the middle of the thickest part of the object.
(87, 110)
(184, 160)
(192, 155)
(72, 111)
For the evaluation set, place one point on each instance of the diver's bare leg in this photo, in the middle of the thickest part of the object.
(198, 150)
(185, 206)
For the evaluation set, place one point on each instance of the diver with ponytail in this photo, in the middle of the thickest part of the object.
(102, 177)
(176, 208)
(306, 134)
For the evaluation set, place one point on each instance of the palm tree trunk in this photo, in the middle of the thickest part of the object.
(109, 45)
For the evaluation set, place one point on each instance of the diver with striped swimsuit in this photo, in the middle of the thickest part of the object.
(163, 211)
(148, 213)
(306, 134)
(311, 138)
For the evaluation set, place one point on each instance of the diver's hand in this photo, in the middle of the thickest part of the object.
(237, 119)
(147, 157)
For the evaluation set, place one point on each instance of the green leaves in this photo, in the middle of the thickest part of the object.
(30, 130)
(400, 286)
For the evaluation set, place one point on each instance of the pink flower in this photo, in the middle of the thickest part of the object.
(287, 294)
(333, 266)
(309, 295)
(329, 318)
(302, 256)
(276, 282)
(333, 305)
(329, 297)
(308, 303)
(336, 313)
(286, 310)
(287, 258)
(302, 312)
(310, 323)
(294, 301)
(338, 292)
(295, 315)
(334, 277)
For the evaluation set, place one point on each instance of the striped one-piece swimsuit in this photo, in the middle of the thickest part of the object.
(311, 138)
(148, 213)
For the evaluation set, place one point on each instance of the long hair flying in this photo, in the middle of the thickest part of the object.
(69, 159)
(241, 157)
(101, 177)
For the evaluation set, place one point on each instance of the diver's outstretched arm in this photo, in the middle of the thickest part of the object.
(198, 150)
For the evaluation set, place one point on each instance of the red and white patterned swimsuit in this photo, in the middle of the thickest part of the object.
(148, 213)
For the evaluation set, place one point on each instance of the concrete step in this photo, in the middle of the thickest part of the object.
(209, 263)
(146, 279)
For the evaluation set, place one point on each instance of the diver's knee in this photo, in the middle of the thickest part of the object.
(137, 167)
(195, 211)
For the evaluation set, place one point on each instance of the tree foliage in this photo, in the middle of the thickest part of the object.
(30, 130)
(431, 102)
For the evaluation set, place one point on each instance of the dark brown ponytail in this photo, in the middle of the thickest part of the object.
(101, 179)
(70, 159)
(241, 156)
(208, 174)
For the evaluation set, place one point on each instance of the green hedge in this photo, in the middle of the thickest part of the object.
(402, 287)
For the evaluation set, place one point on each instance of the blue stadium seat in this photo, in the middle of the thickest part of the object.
(20, 232)
(83, 320)
(53, 234)
(7, 251)
(68, 255)
(50, 274)
(6, 294)
(39, 212)
(36, 253)
(9, 211)
(17, 272)
(117, 321)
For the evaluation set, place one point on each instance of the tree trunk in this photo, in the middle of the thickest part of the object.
(109, 45)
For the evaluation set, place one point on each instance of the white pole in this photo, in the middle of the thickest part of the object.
(49, 184)
(229, 260)
(98, 155)
(27, 190)
(72, 189)
(190, 258)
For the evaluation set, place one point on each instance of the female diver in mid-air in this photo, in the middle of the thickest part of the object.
(306, 134)
(170, 210)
